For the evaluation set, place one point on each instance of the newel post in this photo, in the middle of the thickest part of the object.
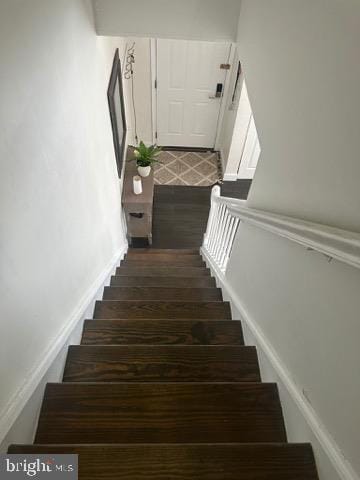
(215, 195)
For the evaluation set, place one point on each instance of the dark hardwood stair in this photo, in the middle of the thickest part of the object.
(160, 413)
(159, 271)
(156, 309)
(162, 293)
(156, 363)
(163, 260)
(162, 332)
(162, 281)
(165, 256)
(269, 461)
(162, 386)
(134, 252)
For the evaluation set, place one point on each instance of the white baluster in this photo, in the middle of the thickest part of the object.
(217, 233)
(230, 243)
(214, 223)
(227, 235)
(217, 214)
(221, 242)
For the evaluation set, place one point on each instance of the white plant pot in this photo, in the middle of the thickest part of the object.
(144, 171)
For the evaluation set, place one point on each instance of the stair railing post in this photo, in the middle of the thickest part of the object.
(211, 224)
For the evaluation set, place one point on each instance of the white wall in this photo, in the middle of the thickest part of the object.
(303, 77)
(308, 310)
(302, 73)
(142, 86)
(24, 425)
(60, 202)
(188, 19)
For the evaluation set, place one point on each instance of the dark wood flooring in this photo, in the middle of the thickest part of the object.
(239, 189)
(180, 213)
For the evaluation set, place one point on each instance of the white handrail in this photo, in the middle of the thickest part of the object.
(226, 214)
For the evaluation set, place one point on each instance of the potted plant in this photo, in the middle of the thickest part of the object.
(146, 157)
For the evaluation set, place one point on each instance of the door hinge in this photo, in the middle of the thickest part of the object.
(225, 66)
(156, 135)
(155, 83)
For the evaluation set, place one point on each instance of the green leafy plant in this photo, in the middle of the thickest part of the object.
(146, 156)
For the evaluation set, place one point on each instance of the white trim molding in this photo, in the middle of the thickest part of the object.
(153, 68)
(19, 399)
(225, 96)
(326, 441)
(230, 177)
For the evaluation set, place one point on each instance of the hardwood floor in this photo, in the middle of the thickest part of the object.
(181, 213)
(180, 216)
(239, 189)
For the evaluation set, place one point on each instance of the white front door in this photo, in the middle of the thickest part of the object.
(188, 75)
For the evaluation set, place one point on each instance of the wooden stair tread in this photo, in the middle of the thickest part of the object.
(161, 364)
(160, 271)
(162, 293)
(112, 309)
(160, 413)
(162, 257)
(162, 332)
(161, 251)
(162, 281)
(164, 261)
(176, 263)
(273, 461)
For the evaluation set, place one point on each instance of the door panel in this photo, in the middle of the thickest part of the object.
(187, 75)
(175, 117)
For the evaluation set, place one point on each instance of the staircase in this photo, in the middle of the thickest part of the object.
(162, 386)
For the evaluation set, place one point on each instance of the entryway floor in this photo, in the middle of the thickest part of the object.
(180, 213)
(187, 168)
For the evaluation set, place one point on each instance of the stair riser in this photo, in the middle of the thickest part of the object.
(162, 251)
(164, 281)
(160, 413)
(162, 332)
(162, 294)
(183, 462)
(161, 364)
(111, 309)
(163, 271)
(163, 257)
(130, 263)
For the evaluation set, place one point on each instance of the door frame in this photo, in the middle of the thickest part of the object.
(224, 98)
(153, 69)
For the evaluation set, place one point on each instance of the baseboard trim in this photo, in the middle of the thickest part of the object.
(326, 441)
(19, 399)
(230, 177)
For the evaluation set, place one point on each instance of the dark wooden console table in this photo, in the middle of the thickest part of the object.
(138, 208)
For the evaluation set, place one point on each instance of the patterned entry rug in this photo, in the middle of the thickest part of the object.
(200, 169)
